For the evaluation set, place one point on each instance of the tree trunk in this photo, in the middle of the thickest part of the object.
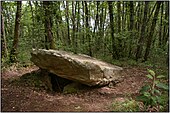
(160, 30)
(142, 33)
(59, 22)
(114, 50)
(103, 30)
(83, 40)
(149, 17)
(78, 25)
(97, 17)
(126, 26)
(48, 25)
(119, 28)
(139, 16)
(13, 54)
(74, 26)
(57, 19)
(152, 28)
(97, 39)
(118, 17)
(33, 25)
(131, 27)
(123, 16)
(166, 26)
(3, 39)
(87, 29)
(67, 19)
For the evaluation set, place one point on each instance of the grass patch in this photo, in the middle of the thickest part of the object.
(125, 105)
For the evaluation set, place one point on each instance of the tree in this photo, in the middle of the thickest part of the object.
(13, 53)
(160, 31)
(97, 39)
(150, 36)
(114, 49)
(105, 30)
(3, 38)
(118, 16)
(33, 23)
(48, 25)
(67, 19)
(166, 25)
(78, 25)
(119, 27)
(73, 24)
(142, 35)
(131, 26)
(87, 29)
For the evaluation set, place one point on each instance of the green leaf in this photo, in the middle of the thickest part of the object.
(160, 76)
(151, 72)
(154, 100)
(157, 91)
(159, 100)
(144, 88)
(142, 98)
(149, 76)
(156, 81)
(162, 86)
(147, 94)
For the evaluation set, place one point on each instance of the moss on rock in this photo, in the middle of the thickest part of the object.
(71, 88)
(34, 79)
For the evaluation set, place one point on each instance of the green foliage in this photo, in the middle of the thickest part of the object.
(152, 94)
(129, 105)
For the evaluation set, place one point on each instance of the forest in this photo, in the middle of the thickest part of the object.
(130, 34)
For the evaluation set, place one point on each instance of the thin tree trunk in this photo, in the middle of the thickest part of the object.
(74, 26)
(33, 25)
(78, 24)
(87, 29)
(142, 33)
(48, 25)
(95, 27)
(126, 26)
(131, 27)
(119, 28)
(149, 17)
(103, 31)
(123, 15)
(150, 36)
(165, 29)
(114, 50)
(67, 19)
(83, 40)
(13, 54)
(3, 39)
(97, 17)
(139, 16)
(59, 21)
(160, 30)
(118, 17)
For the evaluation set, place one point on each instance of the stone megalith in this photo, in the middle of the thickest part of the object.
(80, 68)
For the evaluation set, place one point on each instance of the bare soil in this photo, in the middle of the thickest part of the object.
(19, 98)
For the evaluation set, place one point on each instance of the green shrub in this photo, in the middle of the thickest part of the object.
(152, 94)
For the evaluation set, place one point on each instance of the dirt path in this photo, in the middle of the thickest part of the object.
(17, 98)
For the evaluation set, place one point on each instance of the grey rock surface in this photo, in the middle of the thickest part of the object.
(79, 68)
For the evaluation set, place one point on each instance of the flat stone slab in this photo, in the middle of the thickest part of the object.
(80, 68)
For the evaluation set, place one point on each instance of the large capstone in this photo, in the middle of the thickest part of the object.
(80, 68)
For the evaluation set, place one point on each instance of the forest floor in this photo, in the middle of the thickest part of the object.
(19, 98)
